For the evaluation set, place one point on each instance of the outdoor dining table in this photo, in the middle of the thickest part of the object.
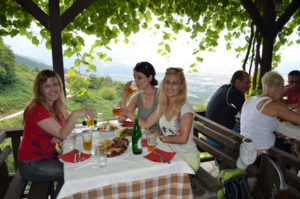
(125, 176)
(288, 129)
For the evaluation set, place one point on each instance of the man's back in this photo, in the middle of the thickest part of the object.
(224, 105)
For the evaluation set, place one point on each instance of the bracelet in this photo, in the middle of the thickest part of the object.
(162, 137)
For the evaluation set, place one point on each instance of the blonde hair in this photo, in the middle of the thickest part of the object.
(59, 106)
(162, 99)
(270, 80)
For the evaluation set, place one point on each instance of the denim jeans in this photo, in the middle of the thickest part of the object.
(45, 170)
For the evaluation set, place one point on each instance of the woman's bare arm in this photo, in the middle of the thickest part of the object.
(51, 126)
(185, 128)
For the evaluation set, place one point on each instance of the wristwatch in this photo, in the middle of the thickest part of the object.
(162, 138)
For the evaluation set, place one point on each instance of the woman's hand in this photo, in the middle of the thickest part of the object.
(126, 87)
(84, 112)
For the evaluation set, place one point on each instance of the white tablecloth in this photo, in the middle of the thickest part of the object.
(124, 168)
(288, 129)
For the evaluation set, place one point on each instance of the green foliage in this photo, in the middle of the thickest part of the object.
(7, 66)
(77, 86)
(205, 21)
(200, 105)
(108, 93)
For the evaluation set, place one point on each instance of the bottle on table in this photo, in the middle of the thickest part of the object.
(137, 138)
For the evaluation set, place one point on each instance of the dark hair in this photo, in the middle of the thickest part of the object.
(147, 69)
(294, 73)
(238, 75)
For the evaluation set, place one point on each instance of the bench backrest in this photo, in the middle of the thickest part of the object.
(228, 151)
(290, 166)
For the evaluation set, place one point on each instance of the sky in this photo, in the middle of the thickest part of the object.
(143, 47)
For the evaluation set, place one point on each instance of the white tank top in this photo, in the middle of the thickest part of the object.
(256, 125)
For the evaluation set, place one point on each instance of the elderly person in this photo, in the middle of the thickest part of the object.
(175, 115)
(146, 99)
(259, 113)
(46, 121)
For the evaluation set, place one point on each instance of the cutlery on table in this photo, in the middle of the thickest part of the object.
(161, 157)
(76, 154)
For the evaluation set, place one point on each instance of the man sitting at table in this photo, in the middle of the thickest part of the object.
(228, 101)
(292, 90)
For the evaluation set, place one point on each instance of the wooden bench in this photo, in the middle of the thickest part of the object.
(12, 185)
(228, 151)
(226, 154)
(290, 166)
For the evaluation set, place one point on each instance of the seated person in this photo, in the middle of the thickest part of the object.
(46, 122)
(175, 115)
(292, 90)
(228, 101)
(146, 99)
(259, 113)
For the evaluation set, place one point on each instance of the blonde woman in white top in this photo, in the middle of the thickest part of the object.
(259, 113)
(175, 116)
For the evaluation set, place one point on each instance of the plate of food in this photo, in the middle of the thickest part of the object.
(117, 146)
(107, 126)
(125, 132)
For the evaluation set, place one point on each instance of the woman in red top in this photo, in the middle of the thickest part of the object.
(46, 121)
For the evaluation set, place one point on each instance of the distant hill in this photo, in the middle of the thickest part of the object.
(32, 63)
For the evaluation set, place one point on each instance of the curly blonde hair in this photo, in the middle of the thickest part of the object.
(162, 98)
(59, 106)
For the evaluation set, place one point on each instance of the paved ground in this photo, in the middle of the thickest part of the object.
(12, 115)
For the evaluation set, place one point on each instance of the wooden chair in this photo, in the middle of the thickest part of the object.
(13, 185)
(10, 186)
(270, 182)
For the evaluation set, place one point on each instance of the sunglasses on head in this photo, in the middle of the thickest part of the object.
(174, 69)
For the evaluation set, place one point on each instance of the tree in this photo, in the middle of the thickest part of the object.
(204, 20)
(7, 64)
(77, 86)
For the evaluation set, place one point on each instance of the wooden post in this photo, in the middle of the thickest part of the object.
(56, 43)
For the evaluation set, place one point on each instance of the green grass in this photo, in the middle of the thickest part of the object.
(16, 96)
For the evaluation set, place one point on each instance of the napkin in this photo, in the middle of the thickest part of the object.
(127, 123)
(153, 157)
(69, 157)
(144, 142)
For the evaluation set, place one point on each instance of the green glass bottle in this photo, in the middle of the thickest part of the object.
(137, 138)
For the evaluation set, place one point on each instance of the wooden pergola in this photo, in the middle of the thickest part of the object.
(55, 23)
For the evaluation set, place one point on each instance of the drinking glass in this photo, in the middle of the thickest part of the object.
(89, 121)
(151, 136)
(101, 155)
(116, 110)
(132, 88)
(87, 140)
(99, 116)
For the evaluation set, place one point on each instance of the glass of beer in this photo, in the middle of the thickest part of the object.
(89, 121)
(101, 155)
(151, 136)
(132, 88)
(87, 139)
(116, 110)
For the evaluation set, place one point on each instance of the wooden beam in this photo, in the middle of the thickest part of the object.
(70, 14)
(35, 11)
(285, 17)
(56, 41)
(255, 16)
